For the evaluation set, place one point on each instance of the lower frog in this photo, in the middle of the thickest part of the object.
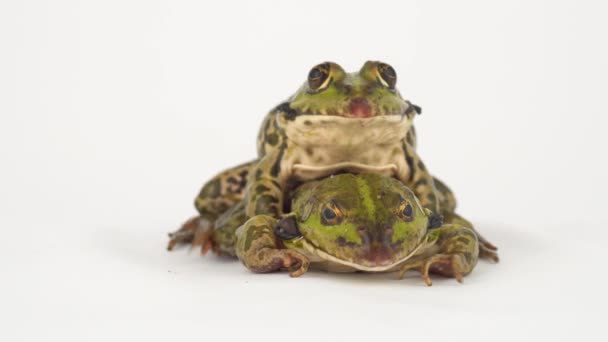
(347, 223)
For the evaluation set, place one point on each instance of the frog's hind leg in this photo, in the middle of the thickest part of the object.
(217, 196)
(224, 234)
(486, 249)
(447, 202)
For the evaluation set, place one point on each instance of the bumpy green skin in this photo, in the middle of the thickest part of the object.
(368, 233)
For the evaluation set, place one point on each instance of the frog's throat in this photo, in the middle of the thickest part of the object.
(309, 121)
(388, 169)
(319, 130)
(309, 247)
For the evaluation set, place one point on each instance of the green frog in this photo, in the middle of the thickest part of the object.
(346, 223)
(336, 122)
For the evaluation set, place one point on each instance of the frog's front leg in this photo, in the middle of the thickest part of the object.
(451, 250)
(261, 251)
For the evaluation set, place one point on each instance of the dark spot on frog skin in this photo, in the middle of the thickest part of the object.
(410, 163)
(276, 168)
(341, 241)
(290, 114)
(204, 212)
(409, 137)
(307, 123)
(267, 205)
(468, 257)
(260, 189)
(255, 233)
(275, 183)
(463, 240)
(265, 135)
(243, 175)
(258, 174)
(309, 151)
(420, 182)
(272, 139)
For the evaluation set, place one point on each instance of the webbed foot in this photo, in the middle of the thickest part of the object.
(447, 265)
(295, 263)
(488, 251)
(197, 231)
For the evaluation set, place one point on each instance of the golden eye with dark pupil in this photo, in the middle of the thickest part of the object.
(388, 76)
(318, 77)
(329, 214)
(406, 211)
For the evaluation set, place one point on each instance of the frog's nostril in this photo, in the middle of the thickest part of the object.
(388, 235)
(360, 108)
(364, 235)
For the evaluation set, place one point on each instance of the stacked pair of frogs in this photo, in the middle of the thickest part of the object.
(338, 185)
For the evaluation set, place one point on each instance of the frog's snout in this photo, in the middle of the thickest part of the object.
(377, 248)
(378, 255)
(360, 108)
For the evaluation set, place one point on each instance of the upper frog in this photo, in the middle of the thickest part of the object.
(329, 96)
(337, 122)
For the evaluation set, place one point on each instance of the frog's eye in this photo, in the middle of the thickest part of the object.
(406, 211)
(318, 77)
(387, 75)
(331, 214)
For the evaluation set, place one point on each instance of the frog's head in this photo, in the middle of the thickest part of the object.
(370, 92)
(367, 221)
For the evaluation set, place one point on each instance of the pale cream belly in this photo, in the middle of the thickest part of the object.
(309, 163)
(322, 146)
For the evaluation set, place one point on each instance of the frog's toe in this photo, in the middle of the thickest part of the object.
(447, 265)
(295, 263)
(196, 231)
(203, 238)
(487, 253)
(485, 243)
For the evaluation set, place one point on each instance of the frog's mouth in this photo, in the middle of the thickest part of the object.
(360, 108)
(353, 108)
(319, 130)
(381, 267)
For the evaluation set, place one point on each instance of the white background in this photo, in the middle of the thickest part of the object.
(113, 114)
